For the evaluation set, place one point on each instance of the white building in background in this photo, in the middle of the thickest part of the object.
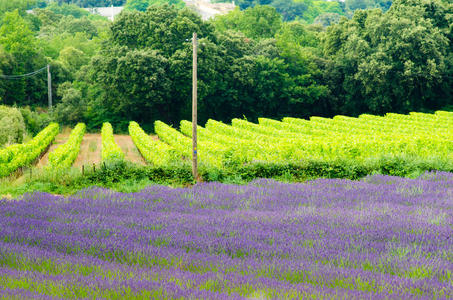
(109, 12)
(207, 10)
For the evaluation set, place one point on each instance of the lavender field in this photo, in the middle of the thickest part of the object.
(382, 237)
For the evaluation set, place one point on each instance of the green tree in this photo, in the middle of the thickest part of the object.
(299, 46)
(46, 17)
(70, 110)
(135, 82)
(290, 10)
(255, 22)
(16, 37)
(72, 25)
(142, 5)
(352, 5)
(397, 61)
(18, 40)
(318, 8)
(163, 28)
(65, 9)
(11, 5)
(12, 126)
(327, 19)
(72, 58)
(6, 67)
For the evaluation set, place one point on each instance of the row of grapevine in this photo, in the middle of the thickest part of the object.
(390, 127)
(293, 140)
(20, 155)
(207, 152)
(247, 146)
(174, 138)
(65, 155)
(153, 151)
(211, 146)
(371, 143)
(359, 138)
(110, 150)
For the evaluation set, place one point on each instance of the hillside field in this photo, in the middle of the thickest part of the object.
(364, 142)
(378, 236)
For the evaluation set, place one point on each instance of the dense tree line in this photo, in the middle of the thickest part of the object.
(64, 36)
(251, 63)
(93, 3)
(317, 11)
(142, 5)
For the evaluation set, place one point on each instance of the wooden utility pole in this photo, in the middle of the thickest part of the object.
(49, 87)
(194, 108)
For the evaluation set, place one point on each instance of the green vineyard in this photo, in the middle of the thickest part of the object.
(20, 155)
(65, 155)
(110, 150)
(291, 141)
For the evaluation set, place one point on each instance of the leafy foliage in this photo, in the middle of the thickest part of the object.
(257, 22)
(153, 151)
(64, 156)
(35, 121)
(92, 3)
(21, 155)
(252, 62)
(306, 10)
(397, 61)
(142, 5)
(352, 5)
(12, 126)
(72, 107)
(11, 5)
(66, 9)
(110, 150)
(18, 40)
(136, 82)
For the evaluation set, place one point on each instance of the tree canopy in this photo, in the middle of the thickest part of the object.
(252, 62)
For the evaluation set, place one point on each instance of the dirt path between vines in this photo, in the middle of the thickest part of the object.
(90, 150)
(127, 145)
(91, 147)
(59, 139)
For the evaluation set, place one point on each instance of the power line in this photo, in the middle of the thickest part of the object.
(12, 77)
(49, 80)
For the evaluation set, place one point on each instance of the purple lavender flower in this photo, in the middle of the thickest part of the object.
(382, 237)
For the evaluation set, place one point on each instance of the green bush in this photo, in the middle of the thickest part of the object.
(21, 155)
(119, 170)
(65, 155)
(72, 106)
(34, 121)
(110, 149)
(12, 126)
(403, 166)
(126, 176)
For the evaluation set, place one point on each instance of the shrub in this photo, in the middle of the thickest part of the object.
(34, 121)
(12, 126)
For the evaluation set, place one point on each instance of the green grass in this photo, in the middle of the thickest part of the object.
(127, 177)
(92, 146)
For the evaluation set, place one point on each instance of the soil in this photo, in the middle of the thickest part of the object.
(90, 150)
(91, 147)
(59, 139)
(130, 150)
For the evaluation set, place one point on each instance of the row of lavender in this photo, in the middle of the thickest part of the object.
(383, 237)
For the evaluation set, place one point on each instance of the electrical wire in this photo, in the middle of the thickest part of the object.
(12, 77)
